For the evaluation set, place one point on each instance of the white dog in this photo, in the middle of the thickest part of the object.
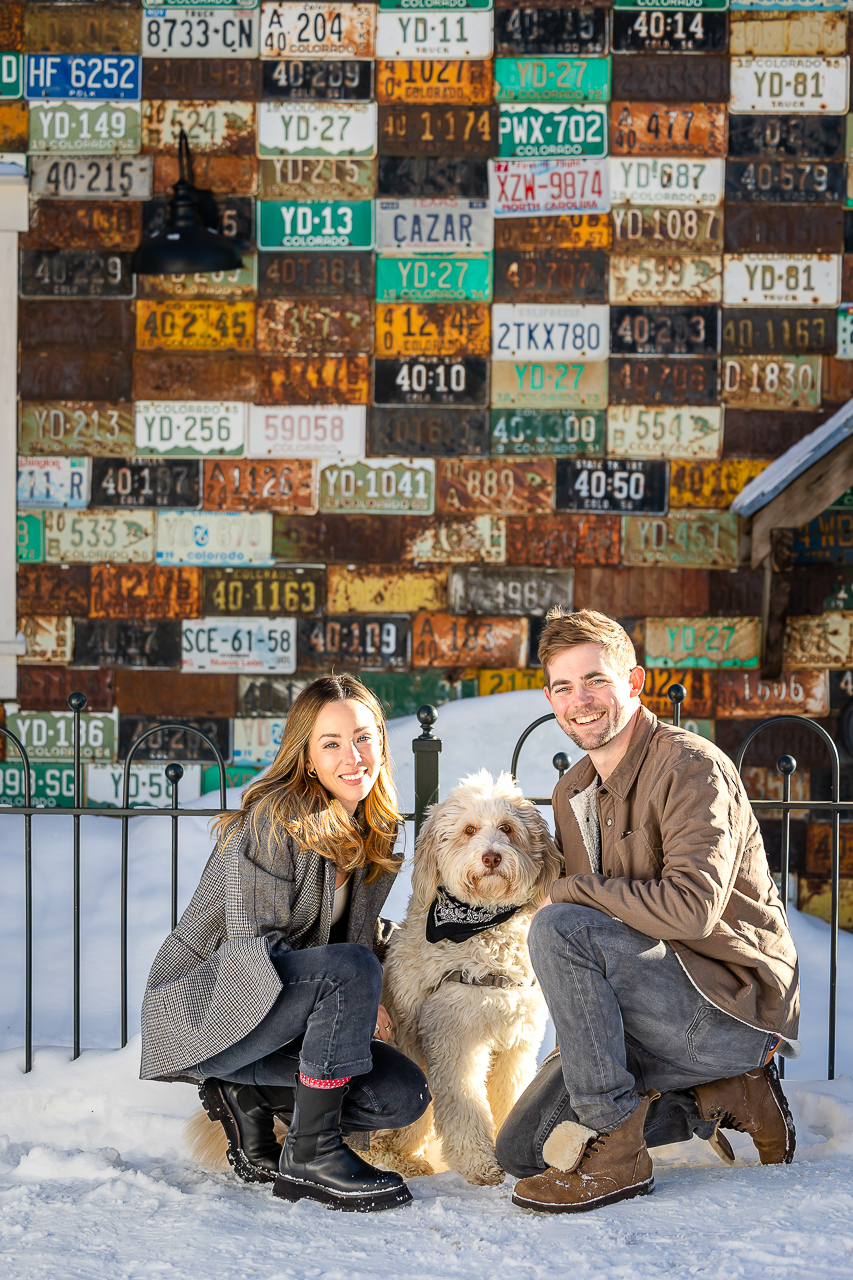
(465, 1005)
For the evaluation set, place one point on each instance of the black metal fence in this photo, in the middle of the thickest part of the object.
(426, 749)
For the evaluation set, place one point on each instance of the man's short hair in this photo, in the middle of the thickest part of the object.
(564, 630)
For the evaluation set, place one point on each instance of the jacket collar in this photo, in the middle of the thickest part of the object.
(624, 775)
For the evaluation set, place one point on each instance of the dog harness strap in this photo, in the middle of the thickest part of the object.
(488, 980)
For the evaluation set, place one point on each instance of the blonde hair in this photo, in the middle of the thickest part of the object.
(288, 797)
(566, 630)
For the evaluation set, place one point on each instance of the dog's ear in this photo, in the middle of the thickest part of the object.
(542, 844)
(425, 871)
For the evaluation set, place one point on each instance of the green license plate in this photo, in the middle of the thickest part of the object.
(236, 775)
(552, 79)
(845, 332)
(543, 131)
(11, 78)
(562, 432)
(434, 279)
(315, 224)
(401, 693)
(30, 538)
(436, 4)
(49, 735)
(85, 127)
(52, 784)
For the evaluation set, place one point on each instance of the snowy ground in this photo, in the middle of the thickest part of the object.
(95, 1181)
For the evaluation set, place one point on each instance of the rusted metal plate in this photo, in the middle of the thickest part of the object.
(321, 80)
(49, 688)
(430, 129)
(559, 541)
(648, 77)
(490, 682)
(821, 640)
(550, 384)
(354, 641)
(317, 29)
(702, 642)
(184, 693)
(231, 176)
(211, 79)
(805, 85)
(651, 230)
(656, 30)
(692, 539)
(291, 326)
(226, 128)
(318, 275)
(512, 592)
(145, 482)
(780, 229)
(711, 485)
(174, 744)
(125, 643)
(12, 25)
(801, 33)
(75, 273)
(433, 177)
(84, 224)
(549, 275)
(48, 639)
(318, 431)
(612, 484)
(554, 234)
(103, 323)
(326, 380)
(144, 592)
(214, 537)
(316, 178)
(664, 380)
(91, 177)
(195, 326)
(14, 126)
(337, 538)
(700, 686)
(750, 433)
(439, 380)
(766, 382)
(428, 431)
(75, 428)
(771, 332)
(481, 539)
(775, 137)
(632, 596)
(826, 540)
(402, 695)
(385, 590)
(295, 589)
(522, 432)
(786, 181)
(819, 850)
(68, 28)
(663, 279)
(372, 486)
(267, 696)
(495, 487)
(803, 693)
(814, 896)
(433, 328)
(836, 381)
(662, 330)
(445, 640)
(547, 29)
(232, 286)
(182, 376)
(86, 537)
(53, 589)
(667, 129)
(434, 80)
(74, 373)
(242, 485)
(634, 431)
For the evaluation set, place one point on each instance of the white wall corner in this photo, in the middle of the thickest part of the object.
(14, 217)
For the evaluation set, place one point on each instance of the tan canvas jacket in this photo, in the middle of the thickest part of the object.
(682, 859)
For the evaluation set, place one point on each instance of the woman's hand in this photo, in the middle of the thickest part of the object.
(384, 1025)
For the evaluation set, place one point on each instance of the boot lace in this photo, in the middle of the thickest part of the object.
(727, 1120)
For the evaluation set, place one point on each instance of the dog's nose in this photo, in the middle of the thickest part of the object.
(491, 859)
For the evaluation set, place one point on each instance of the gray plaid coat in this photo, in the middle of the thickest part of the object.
(212, 981)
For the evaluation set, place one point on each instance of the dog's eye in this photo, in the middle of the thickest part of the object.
(505, 828)
(469, 830)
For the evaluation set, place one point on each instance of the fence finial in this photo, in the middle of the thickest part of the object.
(561, 762)
(786, 765)
(427, 716)
(78, 701)
(676, 694)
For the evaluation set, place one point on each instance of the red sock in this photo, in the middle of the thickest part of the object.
(324, 1084)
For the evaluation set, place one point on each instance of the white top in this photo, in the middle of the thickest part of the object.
(341, 900)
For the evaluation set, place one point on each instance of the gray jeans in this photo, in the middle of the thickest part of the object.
(628, 1019)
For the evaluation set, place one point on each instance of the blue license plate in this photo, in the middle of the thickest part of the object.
(83, 75)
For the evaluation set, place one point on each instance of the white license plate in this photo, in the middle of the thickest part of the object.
(91, 177)
(213, 537)
(209, 125)
(317, 128)
(445, 34)
(200, 33)
(256, 740)
(637, 431)
(379, 486)
(307, 431)
(189, 428)
(83, 127)
(86, 537)
(518, 187)
(149, 786)
(317, 30)
(662, 180)
(780, 279)
(550, 332)
(47, 639)
(239, 644)
(687, 278)
(813, 85)
(54, 482)
(434, 226)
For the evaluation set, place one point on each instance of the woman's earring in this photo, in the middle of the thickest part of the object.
(312, 773)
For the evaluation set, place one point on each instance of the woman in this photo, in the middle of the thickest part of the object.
(267, 992)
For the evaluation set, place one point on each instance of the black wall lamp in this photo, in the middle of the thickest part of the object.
(185, 245)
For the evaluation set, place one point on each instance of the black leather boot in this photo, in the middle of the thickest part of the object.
(246, 1113)
(316, 1165)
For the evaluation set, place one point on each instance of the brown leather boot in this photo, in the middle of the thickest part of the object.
(598, 1169)
(755, 1104)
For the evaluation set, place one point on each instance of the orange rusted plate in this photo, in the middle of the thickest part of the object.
(72, 28)
(433, 130)
(384, 589)
(701, 689)
(668, 128)
(837, 381)
(495, 487)
(145, 591)
(53, 589)
(329, 538)
(49, 688)
(710, 485)
(814, 896)
(182, 376)
(84, 224)
(450, 640)
(743, 693)
(227, 128)
(226, 79)
(75, 373)
(314, 380)
(477, 540)
(624, 593)
(563, 231)
(14, 126)
(434, 80)
(48, 638)
(223, 175)
(99, 322)
(819, 849)
(433, 329)
(558, 541)
(181, 693)
(12, 25)
(253, 485)
(195, 326)
(292, 326)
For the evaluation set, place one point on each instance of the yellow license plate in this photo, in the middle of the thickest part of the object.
(195, 326)
(433, 329)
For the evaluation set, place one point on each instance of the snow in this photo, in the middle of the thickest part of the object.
(96, 1183)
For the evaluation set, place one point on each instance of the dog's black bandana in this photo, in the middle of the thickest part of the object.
(450, 920)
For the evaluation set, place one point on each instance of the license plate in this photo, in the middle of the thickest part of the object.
(428, 4)
(83, 224)
(145, 592)
(214, 537)
(232, 285)
(700, 686)
(75, 273)
(668, 231)
(195, 326)
(518, 187)
(59, 322)
(14, 122)
(29, 536)
(677, 181)
(350, 643)
(54, 482)
(316, 380)
(699, 78)
(76, 428)
(491, 682)
(91, 178)
(481, 539)
(70, 28)
(514, 592)
(317, 30)
(689, 539)
(434, 35)
(276, 485)
(564, 540)
(433, 278)
(661, 330)
(774, 279)
(149, 787)
(783, 229)
(240, 644)
(50, 735)
(667, 31)
(51, 785)
(315, 224)
(267, 696)
(807, 33)
(57, 590)
(550, 30)
(797, 693)
(145, 482)
(144, 645)
(340, 538)
(711, 485)
(774, 137)
(293, 326)
(546, 235)
(444, 640)
(635, 431)
(237, 79)
(257, 740)
(78, 375)
(366, 590)
(402, 694)
(786, 181)
(87, 537)
(46, 688)
(549, 275)
(664, 380)
(550, 79)
(433, 177)
(200, 33)
(432, 329)
(227, 128)
(317, 129)
(813, 85)
(73, 126)
(761, 331)
(426, 431)
(48, 639)
(821, 640)
(528, 330)
(76, 75)
(284, 589)
(667, 129)
(11, 74)
(496, 487)
(660, 279)
(551, 383)
(438, 380)
(558, 432)
(434, 226)
(845, 332)
(702, 642)
(552, 130)
(317, 179)
(309, 431)
(388, 487)
(171, 744)
(767, 382)
(327, 80)
(434, 80)
(217, 5)
(190, 428)
(612, 484)
(430, 129)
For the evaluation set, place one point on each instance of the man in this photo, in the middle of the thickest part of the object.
(664, 954)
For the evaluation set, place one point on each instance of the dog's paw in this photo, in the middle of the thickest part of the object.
(485, 1175)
